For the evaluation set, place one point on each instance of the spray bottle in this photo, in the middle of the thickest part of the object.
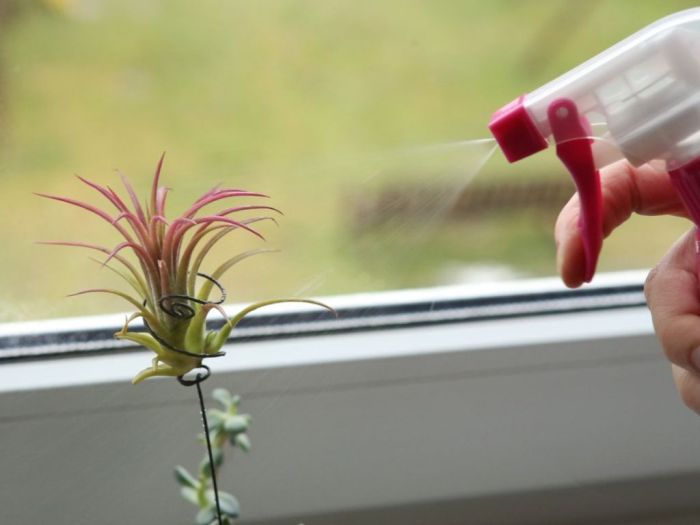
(645, 90)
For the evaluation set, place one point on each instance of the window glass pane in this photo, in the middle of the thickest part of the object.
(352, 116)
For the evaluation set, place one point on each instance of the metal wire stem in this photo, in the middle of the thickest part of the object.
(203, 413)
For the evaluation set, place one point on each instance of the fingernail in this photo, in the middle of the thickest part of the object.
(695, 359)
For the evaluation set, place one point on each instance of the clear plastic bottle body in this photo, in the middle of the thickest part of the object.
(645, 89)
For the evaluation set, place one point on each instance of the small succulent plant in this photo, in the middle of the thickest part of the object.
(225, 426)
(168, 289)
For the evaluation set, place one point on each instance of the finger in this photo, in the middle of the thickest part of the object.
(688, 386)
(672, 295)
(646, 190)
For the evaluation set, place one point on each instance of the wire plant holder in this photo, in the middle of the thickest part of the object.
(178, 307)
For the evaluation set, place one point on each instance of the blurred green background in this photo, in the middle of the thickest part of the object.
(322, 104)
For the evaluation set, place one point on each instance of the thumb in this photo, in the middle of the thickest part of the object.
(673, 297)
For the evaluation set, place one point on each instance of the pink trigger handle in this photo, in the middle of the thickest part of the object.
(572, 134)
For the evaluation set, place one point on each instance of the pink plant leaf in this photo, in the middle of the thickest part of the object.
(178, 228)
(144, 238)
(105, 192)
(185, 262)
(134, 199)
(172, 238)
(84, 205)
(154, 189)
(214, 219)
(140, 252)
(122, 215)
(136, 225)
(161, 219)
(217, 196)
(102, 249)
(137, 287)
(209, 193)
(236, 209)
(89, 207)
(158, 225)
(206, 228)
(164, 278)
(239, 224)
(160, 201)
(117, 198)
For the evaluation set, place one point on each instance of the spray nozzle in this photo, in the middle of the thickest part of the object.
(515, 132)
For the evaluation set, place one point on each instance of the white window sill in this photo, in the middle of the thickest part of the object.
(506, 418)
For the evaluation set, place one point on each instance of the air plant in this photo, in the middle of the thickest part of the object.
(167, 287)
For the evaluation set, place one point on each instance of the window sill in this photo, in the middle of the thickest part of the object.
(526, 402)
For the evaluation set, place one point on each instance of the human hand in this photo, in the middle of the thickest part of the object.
(671, 289)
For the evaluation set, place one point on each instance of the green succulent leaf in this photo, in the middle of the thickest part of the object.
(229, 504)
(224, 521)
(184, 478)
(235, 424)
(223, 396)
(206, 516)
(218, 456)
(216, 417)
(189, 494)
(242, 441)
